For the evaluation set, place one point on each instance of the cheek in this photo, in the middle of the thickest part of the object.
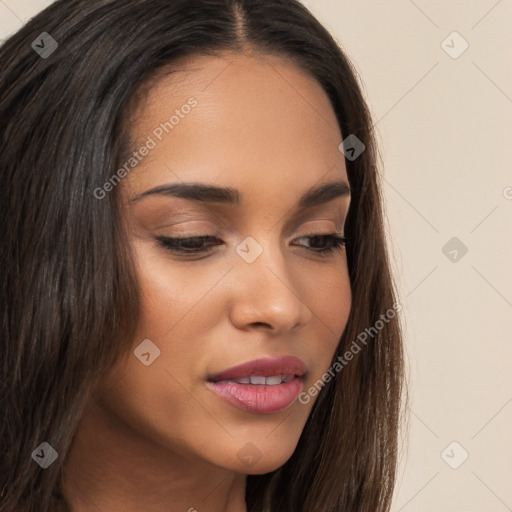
(172, 292)
(176, 314)
(329, 297)
(334, 298)
(153, 404)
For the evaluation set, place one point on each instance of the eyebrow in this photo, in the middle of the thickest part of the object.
(320, 194)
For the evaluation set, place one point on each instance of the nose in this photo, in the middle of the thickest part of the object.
(268, 294)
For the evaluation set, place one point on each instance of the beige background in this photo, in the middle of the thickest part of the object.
(445, 128)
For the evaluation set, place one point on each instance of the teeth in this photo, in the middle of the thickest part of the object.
(272, 381)
(264, 381)
(257, 379)
(245, 380)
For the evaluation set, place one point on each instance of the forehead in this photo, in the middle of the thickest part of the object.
(235, 120)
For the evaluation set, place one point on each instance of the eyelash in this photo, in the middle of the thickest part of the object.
(176, 244)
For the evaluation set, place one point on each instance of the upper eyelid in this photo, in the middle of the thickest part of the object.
(217, 221)
(211, 231)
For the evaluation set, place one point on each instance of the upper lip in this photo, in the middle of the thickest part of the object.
(265, 367)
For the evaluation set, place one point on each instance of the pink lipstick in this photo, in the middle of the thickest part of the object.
(262, 386)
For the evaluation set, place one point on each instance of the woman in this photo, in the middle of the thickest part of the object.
(198, 311)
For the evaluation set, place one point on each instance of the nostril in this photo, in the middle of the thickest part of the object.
(260, 324)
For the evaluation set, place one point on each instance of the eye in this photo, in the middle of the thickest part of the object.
(319, 244)
(324, 244)
(189, 245)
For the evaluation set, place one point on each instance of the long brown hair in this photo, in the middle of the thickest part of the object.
(68, 291)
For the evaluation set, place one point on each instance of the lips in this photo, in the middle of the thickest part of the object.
(263, 386)
(268, 368)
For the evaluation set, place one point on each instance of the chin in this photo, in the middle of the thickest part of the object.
(253, 460)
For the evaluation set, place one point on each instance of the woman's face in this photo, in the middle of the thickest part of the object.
(259, 287)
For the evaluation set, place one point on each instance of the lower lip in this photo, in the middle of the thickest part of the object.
(259, 399)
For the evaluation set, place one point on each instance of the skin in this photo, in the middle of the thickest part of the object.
(155, 437)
